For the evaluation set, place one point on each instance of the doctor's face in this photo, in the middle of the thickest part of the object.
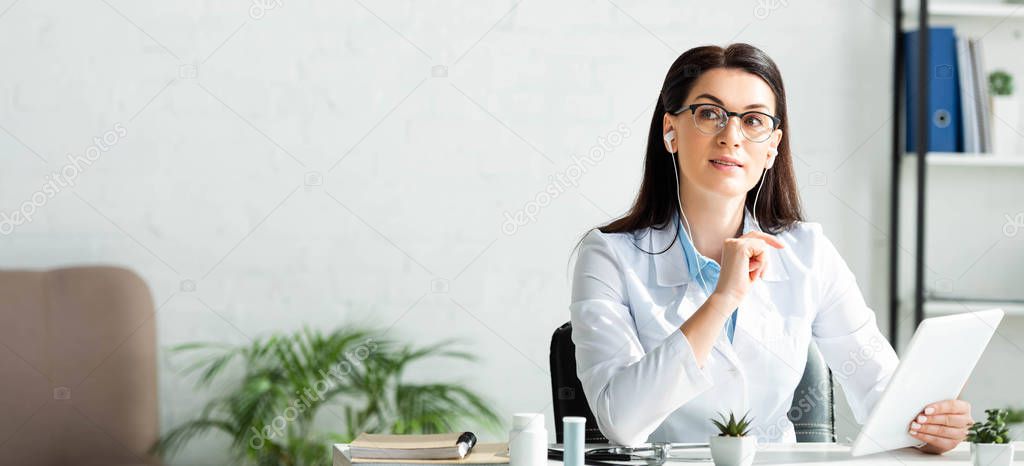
(728, 163)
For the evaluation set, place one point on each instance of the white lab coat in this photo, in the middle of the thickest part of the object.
(639, 372)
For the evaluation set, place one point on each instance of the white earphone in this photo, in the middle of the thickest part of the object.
(669, 137)
(773, 151)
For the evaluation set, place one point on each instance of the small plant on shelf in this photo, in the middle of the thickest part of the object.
(1000, 83)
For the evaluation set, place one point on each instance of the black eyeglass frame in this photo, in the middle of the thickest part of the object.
(776, 121)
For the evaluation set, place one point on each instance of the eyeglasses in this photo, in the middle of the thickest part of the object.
(711, 119)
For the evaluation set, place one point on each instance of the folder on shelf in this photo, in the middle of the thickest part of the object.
(971, 125)
(981, 96)
(942, 93)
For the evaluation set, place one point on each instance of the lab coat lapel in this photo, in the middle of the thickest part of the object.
(775, 269)
(670, 265)
(725, 348)
(758, 310)
(670, 271)
(758, 314)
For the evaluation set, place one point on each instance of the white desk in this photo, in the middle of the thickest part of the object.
(809, 454)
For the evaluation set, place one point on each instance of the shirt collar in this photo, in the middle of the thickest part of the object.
(694, 260)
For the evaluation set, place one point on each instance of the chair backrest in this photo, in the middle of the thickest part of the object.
(78, 367)
(811, 412)
(566, 389)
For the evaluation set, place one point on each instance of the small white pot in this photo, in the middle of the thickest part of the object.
(733, 451)
(1005, 125)
(992, 454)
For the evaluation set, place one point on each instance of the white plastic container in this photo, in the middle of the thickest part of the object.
(528, 440)
(574, 429)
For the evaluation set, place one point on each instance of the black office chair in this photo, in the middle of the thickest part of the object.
(811, 413)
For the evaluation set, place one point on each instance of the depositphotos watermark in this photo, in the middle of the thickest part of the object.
(1014, 224)
(764, 8)
(310, 395)
(858, 358)
(260, 8)
(61, 178)
(811, 396)
(559, 182)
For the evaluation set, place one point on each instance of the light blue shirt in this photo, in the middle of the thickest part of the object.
(709, 270)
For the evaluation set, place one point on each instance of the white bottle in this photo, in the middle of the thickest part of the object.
(528, 440)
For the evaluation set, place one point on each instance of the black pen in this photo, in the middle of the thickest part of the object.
(468, 438)
(592, 459)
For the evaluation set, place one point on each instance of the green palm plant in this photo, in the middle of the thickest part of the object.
(289, 378)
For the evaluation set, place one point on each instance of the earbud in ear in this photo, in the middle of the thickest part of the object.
(772, 151)
(669, 137)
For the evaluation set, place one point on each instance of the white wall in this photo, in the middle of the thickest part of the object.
(229, 121)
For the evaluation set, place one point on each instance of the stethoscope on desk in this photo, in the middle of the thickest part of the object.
(656, 454)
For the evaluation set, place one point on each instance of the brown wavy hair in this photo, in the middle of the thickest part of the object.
(779, 205)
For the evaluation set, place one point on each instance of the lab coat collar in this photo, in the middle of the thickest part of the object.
(670, 266)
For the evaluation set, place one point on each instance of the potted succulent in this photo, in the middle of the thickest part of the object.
(990, 440)
(732, 446)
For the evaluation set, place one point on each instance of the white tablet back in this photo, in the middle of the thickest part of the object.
(938, 361)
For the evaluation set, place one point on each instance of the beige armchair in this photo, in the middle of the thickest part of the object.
(77, 367)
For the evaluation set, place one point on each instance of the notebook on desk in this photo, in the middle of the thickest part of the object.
(453, 445)
(483, 454)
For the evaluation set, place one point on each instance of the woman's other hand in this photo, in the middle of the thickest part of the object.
(942, 426)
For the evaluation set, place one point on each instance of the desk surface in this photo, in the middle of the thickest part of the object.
(809, 454)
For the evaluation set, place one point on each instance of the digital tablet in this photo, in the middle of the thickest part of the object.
(938, 361)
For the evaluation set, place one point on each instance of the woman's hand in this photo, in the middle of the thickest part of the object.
(942, 425)
(743, 263)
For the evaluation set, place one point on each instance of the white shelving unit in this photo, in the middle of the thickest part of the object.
(937, 306)
(970, 10)
(969, 14)
(952, 159)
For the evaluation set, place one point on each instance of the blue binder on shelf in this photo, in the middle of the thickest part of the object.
(943, 93)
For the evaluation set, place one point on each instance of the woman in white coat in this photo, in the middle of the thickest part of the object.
(679, 317)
